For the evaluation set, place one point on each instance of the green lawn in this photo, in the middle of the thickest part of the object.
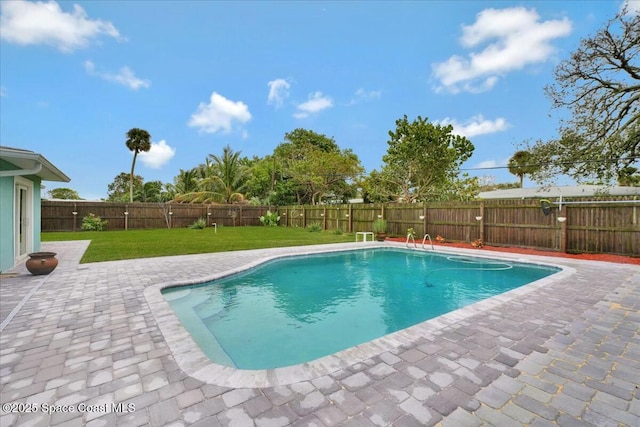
(116, 245)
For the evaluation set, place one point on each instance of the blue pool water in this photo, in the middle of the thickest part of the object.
(297, 309)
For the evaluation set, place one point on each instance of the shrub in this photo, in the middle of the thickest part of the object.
(314, 227)
(199, 224)
(93, 222)
(411, 233)
(270, 219)
(380, 226)
(337, 231)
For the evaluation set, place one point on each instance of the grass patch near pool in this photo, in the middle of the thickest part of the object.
(130, 244)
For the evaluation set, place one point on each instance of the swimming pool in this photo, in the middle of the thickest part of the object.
(296, 309)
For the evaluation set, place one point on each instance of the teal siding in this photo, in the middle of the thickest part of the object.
(7, 212)
(6, 223)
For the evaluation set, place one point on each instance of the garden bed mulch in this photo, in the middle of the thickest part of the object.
(591, 257)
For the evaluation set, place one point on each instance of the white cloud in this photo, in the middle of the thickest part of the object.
(278, 92)
(126, 77)
(3, 91)
(159, 154)
(477, 125)
(632, 7)
(316, 103)
(219, 114)
(33, 23)
(514, 38)
(363, 95)
(487, 164)
(496, 164)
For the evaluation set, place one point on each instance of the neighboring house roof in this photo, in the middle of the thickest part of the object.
(564, 191)
(30, 163)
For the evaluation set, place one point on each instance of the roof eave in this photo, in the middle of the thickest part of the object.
(48, 172)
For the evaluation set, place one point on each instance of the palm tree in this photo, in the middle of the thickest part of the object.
(151, 191)
(185, 182)
(137, 140)
(520, 164)
(222, 179)
(231, 175)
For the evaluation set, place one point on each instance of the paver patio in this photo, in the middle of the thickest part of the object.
(566, 353)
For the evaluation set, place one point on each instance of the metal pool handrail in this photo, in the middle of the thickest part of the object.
(430, 241)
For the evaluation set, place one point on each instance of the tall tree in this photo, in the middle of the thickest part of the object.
(137, 140)
(422, 162)
(600, 85)
(314, 167)
(521, 164)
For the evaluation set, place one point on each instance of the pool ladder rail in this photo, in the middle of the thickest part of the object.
(424, 240)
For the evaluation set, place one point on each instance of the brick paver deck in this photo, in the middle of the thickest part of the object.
(566, 352)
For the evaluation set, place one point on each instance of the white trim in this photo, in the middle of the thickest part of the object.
(28, 161)
(27, 185)
(37, 167)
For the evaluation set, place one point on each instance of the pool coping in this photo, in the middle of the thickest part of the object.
(192, 360)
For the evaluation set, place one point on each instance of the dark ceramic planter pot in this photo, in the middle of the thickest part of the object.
(40, 263)
(381, 236)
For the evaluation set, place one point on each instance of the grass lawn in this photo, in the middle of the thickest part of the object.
(116, 245)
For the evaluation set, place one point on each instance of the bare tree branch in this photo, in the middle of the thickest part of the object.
(600, 85)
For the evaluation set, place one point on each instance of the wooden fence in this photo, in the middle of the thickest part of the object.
(594, 226)
(67, 215)
(597, 226)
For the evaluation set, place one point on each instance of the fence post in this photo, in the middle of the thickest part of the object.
(563, 232)
(324, 218)
(304, 217)
(350, 218)
(75, 215)
(425, 219)
(482, 222)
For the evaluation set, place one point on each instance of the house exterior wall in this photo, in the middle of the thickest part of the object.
(7, 215)
(7, 246)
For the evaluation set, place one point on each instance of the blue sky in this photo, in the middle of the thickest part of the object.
(198, 75)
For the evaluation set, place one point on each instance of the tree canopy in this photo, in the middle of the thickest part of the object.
(220, 179)
(307, 167)
(118, 190)
(521, 164)
(600, 86)
(422, 163)
(315, 167)
(64, 193)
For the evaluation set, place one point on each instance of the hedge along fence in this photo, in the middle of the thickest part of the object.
(59, 215)
(609, 226)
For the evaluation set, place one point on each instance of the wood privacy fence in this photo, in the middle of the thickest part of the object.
(59, 215)
(595, 226)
